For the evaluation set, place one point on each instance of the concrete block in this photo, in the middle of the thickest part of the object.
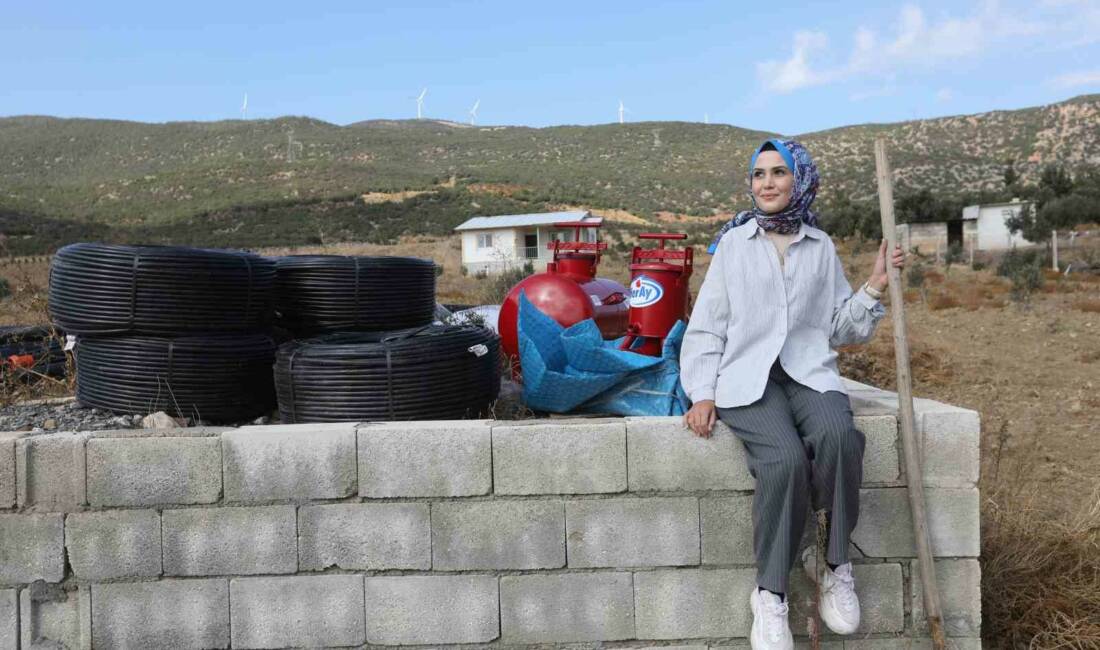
(113, 544)
(51, 617)
(880, 591)
(665, 456)
(885, 527)
(450, 609)
(950, 441)
(295, 462)
(799, 644)
(880, 455)
(960, 583)
(566, 607)
(632, 532)
(425, 459)
(570, 457)
(298, 611)
(230, 541)
(164, 614)
(7, 470)
(693, 603)
(525, 534)
(371, 536)
(50, 472)
(726, 525)
(9, 619)
(32, 547)
(151, 471)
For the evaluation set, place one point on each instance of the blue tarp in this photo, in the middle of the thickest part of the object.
(574, 370)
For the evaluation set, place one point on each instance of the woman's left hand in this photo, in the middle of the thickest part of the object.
(879, 279)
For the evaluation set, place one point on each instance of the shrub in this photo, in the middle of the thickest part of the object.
(494, 292)
(978, 265)
(5, 288)
(915, 276)
(954, 254)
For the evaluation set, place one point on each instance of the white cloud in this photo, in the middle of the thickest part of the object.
(913, 42)
(1074, 79)
(795, 72)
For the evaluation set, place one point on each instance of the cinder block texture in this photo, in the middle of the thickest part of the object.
(298, 611)
(229, 541)
(7, 470)
(31, 548)
(498, 535)
(567, 607)
(885, 527)
(726, 524)
(665, 456)
(632, 532)
(364, 536)
(425, 459)
(410, 610)
(150, 471)
(51, 617)
(164, 614)
(880, 454)
(960, 583)
(289, 462)
(880, 591)
(9, 619)
(113, 544)
(50, 471)
(950, 440)
(692, 603)
(574, 457)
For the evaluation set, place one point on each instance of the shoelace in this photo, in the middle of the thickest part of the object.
(843, 585)
(775, 620)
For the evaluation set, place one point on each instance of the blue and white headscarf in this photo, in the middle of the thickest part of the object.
(802, 194)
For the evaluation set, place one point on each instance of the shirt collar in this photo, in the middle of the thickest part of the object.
(803, 231)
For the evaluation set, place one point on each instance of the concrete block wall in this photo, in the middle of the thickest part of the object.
(624, 532)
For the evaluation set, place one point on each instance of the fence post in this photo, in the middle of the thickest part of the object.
(1054, 249)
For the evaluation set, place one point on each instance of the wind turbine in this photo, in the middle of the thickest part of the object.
(244, 108)
(420, 103)
(622, 109)
(706, 118)
(473, 112)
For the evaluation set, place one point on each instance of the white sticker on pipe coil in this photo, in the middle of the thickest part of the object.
(479, 350)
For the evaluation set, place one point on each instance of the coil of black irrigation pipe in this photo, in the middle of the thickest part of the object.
(331, 293)
(434, 372)
(212, 378)
(98, 289)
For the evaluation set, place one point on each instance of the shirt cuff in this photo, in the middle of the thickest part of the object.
(702, 394)
(865, 299)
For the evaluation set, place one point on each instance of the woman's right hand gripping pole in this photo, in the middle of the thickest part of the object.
(701, 417)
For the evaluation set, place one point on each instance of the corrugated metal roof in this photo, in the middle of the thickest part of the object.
(535, 219)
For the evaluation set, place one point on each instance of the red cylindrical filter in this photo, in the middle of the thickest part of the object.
(659, 293)
(568, 291)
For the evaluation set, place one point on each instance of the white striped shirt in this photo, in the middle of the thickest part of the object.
(751, 310)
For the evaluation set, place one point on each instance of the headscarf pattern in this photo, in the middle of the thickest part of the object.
(797, 211)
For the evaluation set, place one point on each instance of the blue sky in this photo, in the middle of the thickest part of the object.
(789, 67)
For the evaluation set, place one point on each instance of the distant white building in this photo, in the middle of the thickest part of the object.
(495, 244)
(981, 227)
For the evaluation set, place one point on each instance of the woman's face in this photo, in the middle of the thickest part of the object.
(771, 182)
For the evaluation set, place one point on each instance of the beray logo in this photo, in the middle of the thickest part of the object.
(645, 291)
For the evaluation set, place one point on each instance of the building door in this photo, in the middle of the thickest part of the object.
(955, 233)
(531, 245)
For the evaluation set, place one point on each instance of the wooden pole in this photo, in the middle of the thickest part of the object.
(1054, 249)
(913, 475)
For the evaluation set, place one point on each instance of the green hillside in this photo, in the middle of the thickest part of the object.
(240, 182)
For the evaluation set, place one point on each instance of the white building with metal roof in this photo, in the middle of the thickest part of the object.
(495, 244)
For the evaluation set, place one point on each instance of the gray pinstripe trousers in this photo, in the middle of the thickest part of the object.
(799, 441)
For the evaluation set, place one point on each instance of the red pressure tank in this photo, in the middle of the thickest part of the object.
(568, 291)
(659, 293)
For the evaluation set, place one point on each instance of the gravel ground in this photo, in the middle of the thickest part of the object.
(66, 414)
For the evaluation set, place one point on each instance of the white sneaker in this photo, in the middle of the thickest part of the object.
(839, 605)
(769, 622)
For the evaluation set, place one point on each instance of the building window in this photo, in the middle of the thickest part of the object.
(485, 240)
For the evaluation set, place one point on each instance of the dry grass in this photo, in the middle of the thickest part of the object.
(1088, 304)
(942, 300)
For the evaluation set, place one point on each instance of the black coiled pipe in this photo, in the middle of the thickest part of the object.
(436, 372)
(100, 289)
(213, 378)
(38, 342)
(332, 293)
